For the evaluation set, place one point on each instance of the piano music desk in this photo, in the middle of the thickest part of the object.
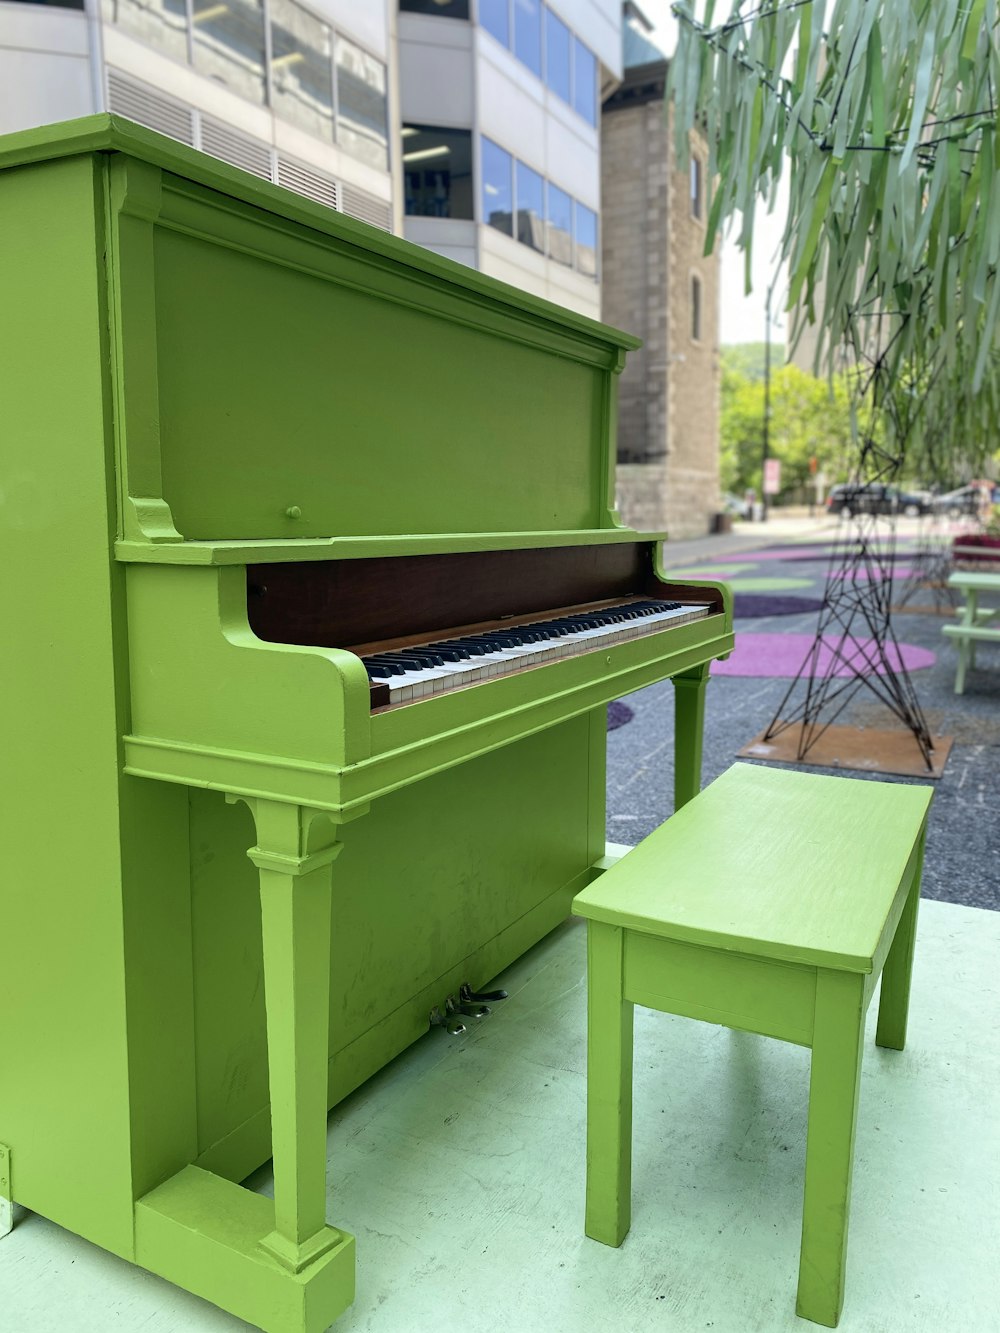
(236, 881)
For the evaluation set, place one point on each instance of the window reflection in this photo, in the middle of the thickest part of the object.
(530, 208)
(229, 44)
(557, 55)
(159, 23)
(584, 82)
(446, 9)
(437, 171)
(528, 33)
(494, 15)
(498, 203)
(586, 239)
(301, 68)
(361, 104)
(560, 229)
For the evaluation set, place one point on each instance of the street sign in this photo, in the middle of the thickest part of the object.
(772, 476)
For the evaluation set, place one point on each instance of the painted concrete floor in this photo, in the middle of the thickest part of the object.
(460, 1170)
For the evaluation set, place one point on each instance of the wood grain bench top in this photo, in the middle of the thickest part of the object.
(776, 863)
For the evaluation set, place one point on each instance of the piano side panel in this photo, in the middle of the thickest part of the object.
(65, 1078)
(444, 881)
(282, 388)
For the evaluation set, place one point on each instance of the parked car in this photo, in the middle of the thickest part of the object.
(876, 498)
(732, 504)
(971, 499)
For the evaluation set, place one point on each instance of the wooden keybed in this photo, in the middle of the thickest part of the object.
(375, 605)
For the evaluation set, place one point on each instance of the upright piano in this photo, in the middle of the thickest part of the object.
(315, 598)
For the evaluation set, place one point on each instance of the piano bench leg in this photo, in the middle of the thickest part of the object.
(689, 727)
(294, 855)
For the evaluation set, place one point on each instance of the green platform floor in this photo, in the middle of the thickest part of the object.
(460, 1171)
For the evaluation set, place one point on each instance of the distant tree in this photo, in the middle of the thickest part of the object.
(748, 358)
(810, 419)
(882, 117)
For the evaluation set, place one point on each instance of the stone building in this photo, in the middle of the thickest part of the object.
(659, 285)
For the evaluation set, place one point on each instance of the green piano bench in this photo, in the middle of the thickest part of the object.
(770, 903)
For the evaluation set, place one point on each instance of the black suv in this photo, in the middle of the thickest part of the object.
(875, 498)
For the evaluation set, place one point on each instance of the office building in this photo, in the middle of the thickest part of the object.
(298, 93)
(500, 106)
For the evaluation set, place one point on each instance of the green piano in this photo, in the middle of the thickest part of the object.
(315, 599)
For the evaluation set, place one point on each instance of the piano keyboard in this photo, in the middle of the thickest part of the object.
(418, 671)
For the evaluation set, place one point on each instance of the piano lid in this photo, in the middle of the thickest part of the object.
(283, 373)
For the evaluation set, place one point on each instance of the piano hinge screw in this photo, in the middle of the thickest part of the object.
(293, 511)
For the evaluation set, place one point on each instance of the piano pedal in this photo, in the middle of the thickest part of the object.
(468, 996)
(450, 1021)
(466, 1007)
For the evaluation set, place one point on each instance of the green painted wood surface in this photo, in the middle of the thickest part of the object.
(426, 892)
(203, 1233)
(723, 954)
(973, 624)
(63, 1031)
(147, 291)
(818, 890)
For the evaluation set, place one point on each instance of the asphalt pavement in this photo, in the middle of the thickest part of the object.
(962, 862)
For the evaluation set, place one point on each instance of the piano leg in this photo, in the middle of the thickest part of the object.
(689, 726)
(295, 851)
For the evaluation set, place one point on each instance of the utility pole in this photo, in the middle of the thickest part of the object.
(767, 402)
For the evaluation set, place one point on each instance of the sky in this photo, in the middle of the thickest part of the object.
(742, 318)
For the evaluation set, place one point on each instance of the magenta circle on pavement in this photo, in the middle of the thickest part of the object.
(782, 655)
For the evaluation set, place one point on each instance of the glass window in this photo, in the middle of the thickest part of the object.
(557, 55)
(498, 197)
(696, 309)
(445, 9)
(437, 172)
(159, 23)
(301, 68)
(697, 200)
(362, 126)
(494, 15)
(530, 207)
(584, 82)
(560, 225)
(528, 33)
(229, 44)
(586, 239)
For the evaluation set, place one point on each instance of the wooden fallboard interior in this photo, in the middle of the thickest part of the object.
(347, 603)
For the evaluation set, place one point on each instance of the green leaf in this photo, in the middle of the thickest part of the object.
(972, 29)
(877, 86)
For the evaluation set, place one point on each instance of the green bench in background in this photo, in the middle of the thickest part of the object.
(770, 903)
(975, 623)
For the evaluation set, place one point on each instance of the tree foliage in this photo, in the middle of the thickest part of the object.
(882, 116)
(810, 419)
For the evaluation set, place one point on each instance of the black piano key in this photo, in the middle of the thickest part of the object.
(393, 668)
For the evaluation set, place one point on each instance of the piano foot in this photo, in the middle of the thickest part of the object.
(6, 1197)
(214, 1238)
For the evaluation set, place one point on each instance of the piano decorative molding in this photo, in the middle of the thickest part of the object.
(287, 451)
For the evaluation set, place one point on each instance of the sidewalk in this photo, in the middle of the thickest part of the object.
(779, 527)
